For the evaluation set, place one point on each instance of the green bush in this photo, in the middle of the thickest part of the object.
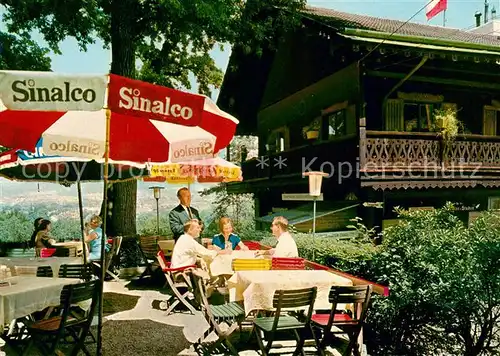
(445, 287)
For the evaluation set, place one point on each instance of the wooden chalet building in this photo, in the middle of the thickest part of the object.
(375, 91)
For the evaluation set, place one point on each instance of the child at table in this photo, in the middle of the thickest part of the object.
(226, 239)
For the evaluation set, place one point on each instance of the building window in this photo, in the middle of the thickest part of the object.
(494, 203)
(418, 117)
(336, 122)
(278, 141)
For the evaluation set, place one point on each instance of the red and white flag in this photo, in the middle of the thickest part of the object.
(435, 7)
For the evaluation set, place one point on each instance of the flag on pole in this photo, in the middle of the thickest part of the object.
(435, 7)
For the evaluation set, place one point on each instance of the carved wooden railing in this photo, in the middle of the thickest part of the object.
(403, 151)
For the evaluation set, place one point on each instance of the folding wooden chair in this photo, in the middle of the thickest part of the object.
(148, 245)
(251, 264)
(289, 263)
(359, 296)
(232, 314)
(270, 325)
(177, 278)
(47, 334)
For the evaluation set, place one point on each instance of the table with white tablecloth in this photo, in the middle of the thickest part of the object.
(257, 288)
(30, 294)
(222, 264)
(29, 265)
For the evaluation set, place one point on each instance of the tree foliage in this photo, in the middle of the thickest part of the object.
(445, 286)
(22, 53)
(170, 39)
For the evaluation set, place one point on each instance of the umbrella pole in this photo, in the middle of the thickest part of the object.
(103, 242)
(82, 227)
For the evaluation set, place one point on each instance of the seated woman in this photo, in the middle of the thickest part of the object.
(226, 239)
(93, 237)
(42, 237)
(36, 224)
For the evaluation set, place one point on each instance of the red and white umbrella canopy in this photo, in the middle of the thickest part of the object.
(148, 122)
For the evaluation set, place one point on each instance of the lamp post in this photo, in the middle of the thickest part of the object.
(315, 179)
(157, 196)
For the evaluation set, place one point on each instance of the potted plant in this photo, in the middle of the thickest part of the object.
(447, 124)
(311, 132)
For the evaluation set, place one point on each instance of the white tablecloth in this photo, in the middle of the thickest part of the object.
(257, 288)
(222, 264)
(30, 294)
(29, 265)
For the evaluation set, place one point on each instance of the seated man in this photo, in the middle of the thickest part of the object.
(286, 246)
(187, 249)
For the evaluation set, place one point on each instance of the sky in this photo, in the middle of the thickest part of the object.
(460, 14)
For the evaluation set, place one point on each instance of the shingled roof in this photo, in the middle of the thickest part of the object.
(341, 20)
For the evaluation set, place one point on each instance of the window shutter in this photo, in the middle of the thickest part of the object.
(489, 121)
(394, 115)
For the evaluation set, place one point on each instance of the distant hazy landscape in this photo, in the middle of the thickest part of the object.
(62, 202)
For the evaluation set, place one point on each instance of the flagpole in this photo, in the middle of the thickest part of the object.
(444, 18)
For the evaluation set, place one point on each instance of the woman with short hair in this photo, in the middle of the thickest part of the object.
(93, 237)
(226, 239)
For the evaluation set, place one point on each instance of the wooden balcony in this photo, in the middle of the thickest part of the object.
(388, 151)
(318, 155)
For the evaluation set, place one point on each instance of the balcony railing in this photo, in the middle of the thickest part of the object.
(324, 155)
(402, 151)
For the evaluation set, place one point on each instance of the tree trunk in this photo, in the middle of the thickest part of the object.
(122, 197)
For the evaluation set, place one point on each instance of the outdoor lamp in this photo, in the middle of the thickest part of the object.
(157, 191)
(157, 195)
(315, 179)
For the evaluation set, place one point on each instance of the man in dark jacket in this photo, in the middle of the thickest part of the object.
(182, 213)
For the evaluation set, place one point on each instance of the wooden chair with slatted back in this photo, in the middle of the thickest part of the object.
(44, 271)
(289, 299)
(167, 246)
(112, 255)
(231, 313)
(359, 297)
(48, 333)
(251, 264)
(148, 246)
(79, 271)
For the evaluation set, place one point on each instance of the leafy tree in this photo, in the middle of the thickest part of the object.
(172, 39)
(22, 53)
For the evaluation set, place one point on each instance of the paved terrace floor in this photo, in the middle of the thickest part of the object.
(146, 330)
